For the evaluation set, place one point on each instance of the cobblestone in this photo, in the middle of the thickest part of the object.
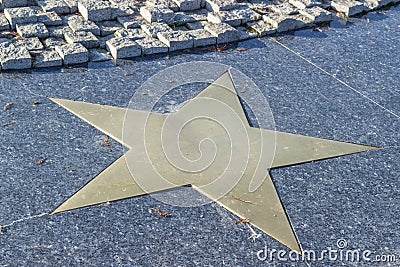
(133, 34)
(224, 32)
(154, 28)
(150, 45)
(57, 6)
(95, 10)
(31, 44)
(23, 15)
(203, 38)
(108, 27)
(77, 23)
(131, 22)
(51, 19)
(176, 40)
(73, 53)
(46, 58)
(87, 39)
(12, 57)
(4, 25)
(122, 47)
(33, 30)
(131, 28)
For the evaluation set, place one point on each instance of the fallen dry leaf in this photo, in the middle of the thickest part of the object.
(221, 48)
(128, 73)
(7, 105)
(105, 140)
(159, 212)
(40, 161)
(366, 19)
(371, 41)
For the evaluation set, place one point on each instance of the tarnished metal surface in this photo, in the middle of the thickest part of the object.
(209, 144)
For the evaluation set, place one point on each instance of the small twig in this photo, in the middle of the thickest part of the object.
(7, 105)
(242, 200)
(8, 123)
(41, 161)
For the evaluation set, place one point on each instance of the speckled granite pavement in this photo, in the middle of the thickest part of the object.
(353, 197)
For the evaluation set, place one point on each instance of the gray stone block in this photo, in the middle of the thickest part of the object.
(51, 19)
(220, 5)
(23, 15)
(73, 53)
(182, 18)
(234, 17)
(203, 38)
(108, 27)
(12, 57)
(133, 34)
(95, 10)
(58, 31)
(246, 33)
(99, 55)
(15, 3)
(188, 5)
(121, 11)
(78, 23)
(284, 23)
(57, 6)
(224, 32)
(87, 39)
(32, 30)
(165, 3)
(30, 44)
(52, 42)
(73, 5)
(131, 22)
(349, 8)
(176, 40)
(157, 14)
(47, 58)
(302, 4)
(371, 4)
(150, 45)
(4, 25)
(196, 25)
(284, 8)
(317, 14)
(262, 28)
(123, 48)
(104, 39)
(154, 28)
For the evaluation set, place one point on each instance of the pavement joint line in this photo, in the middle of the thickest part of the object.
(334, 77)
(30, 217)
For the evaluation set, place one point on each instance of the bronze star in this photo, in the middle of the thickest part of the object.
(207, 143)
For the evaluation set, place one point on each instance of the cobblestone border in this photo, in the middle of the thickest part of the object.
(46, 33)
